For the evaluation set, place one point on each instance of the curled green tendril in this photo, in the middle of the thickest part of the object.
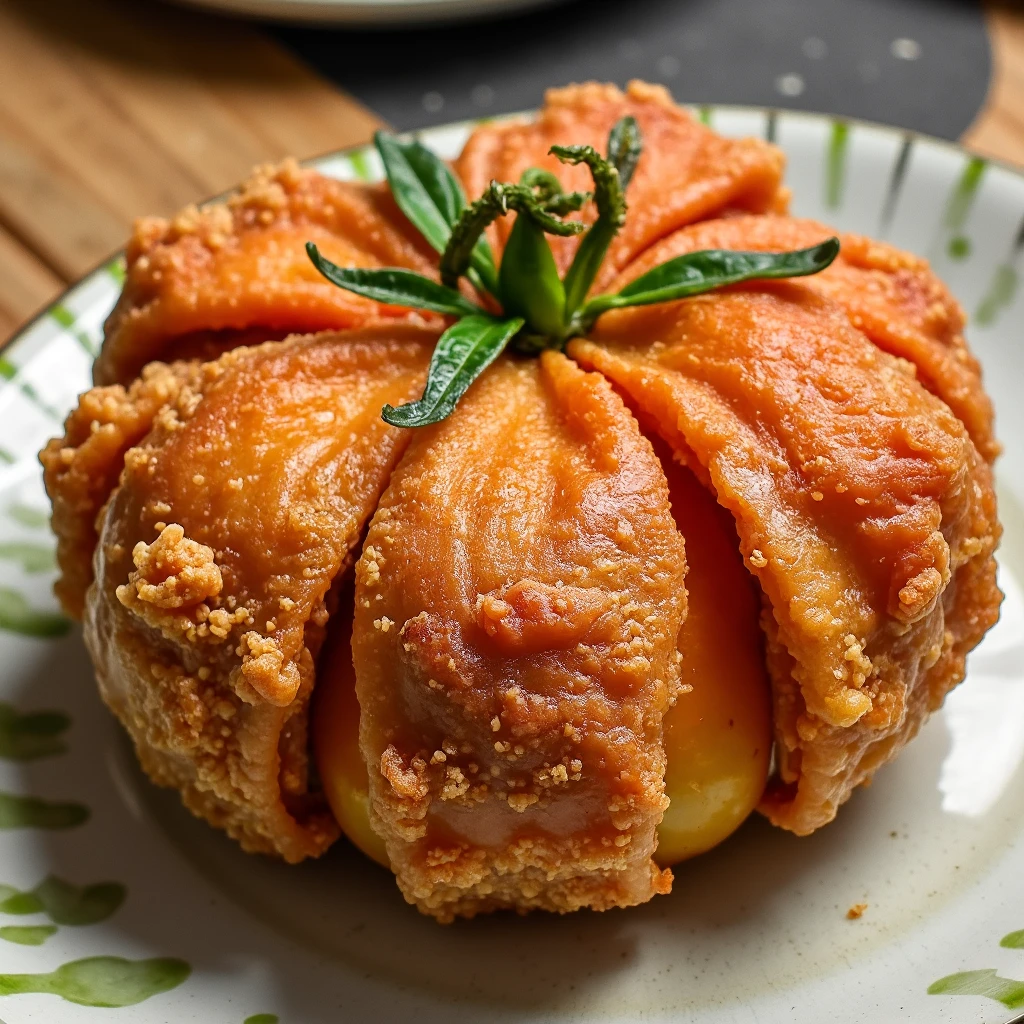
(544, 183)
(624, 148)
(610, 200)
(609, 195)
(568, 202)
(498, 199)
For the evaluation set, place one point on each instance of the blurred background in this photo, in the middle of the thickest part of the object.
(114, 108)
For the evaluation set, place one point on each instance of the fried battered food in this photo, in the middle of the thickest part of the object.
(518, 601)
(686, 172)
(862, 507)
(82, 468)
(234, 516)
(718, 735)
(519, 627)
(890, 295)
(209, 276)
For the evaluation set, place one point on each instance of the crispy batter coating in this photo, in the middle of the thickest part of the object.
(686, 172)
(521, 590)
(518, 603)
(208, 275)
(890, 295)
(81, 469)
(234, 516)
(862, 506)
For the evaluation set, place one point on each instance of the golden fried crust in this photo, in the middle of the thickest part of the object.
(234, 266)
(233, 517)
(81, 468)
(890, 295)
(518, 603)
(862, 507)
(686, 172)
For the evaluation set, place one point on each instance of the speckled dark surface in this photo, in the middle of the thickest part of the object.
(919, 64)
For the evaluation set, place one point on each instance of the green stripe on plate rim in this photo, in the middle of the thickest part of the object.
(9, 373)
(835, 163)
(359, 161)
(958, 207)
(68, 321)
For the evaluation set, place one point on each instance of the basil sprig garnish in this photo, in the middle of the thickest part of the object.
(431, 197)
(462, 353)
(610, 200)
(539, 309)
(696, 272)
(394, 286)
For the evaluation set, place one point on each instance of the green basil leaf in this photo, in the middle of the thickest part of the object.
(528, 279)
(431, 197)
(697, 272)
(395, 286)
(425, 189)
(462, 353)
(624, 148)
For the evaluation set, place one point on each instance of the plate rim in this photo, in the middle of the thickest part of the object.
(357, 15)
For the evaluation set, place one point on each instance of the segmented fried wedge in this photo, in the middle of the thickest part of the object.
(233, 518)
(862, 507)
(82, 468)
(518, 603)
(890, 295)
(218, 274)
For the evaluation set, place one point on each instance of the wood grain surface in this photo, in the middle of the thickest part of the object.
(113, 108)
(999, 130)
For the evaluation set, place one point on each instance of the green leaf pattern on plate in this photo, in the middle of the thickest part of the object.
(959, 206)
(981, 983)
(26, 515)
(8, 371)
(986, 982)
(27, 934)
(31, 812)
(14, 901)
(102, 981)
(18, 616)
(25, 737)
(33, 558)
(67, 320)
(999, 295)
(835, 165)
(65, 903)
(108, 981)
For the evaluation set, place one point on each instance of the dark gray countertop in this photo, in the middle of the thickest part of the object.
(918, 64)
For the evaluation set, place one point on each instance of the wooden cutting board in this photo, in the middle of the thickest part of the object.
(114, 107)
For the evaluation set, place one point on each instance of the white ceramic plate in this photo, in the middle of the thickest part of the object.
(368, 12)
(756, 931)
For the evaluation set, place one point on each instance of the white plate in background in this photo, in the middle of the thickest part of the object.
(389, 13)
